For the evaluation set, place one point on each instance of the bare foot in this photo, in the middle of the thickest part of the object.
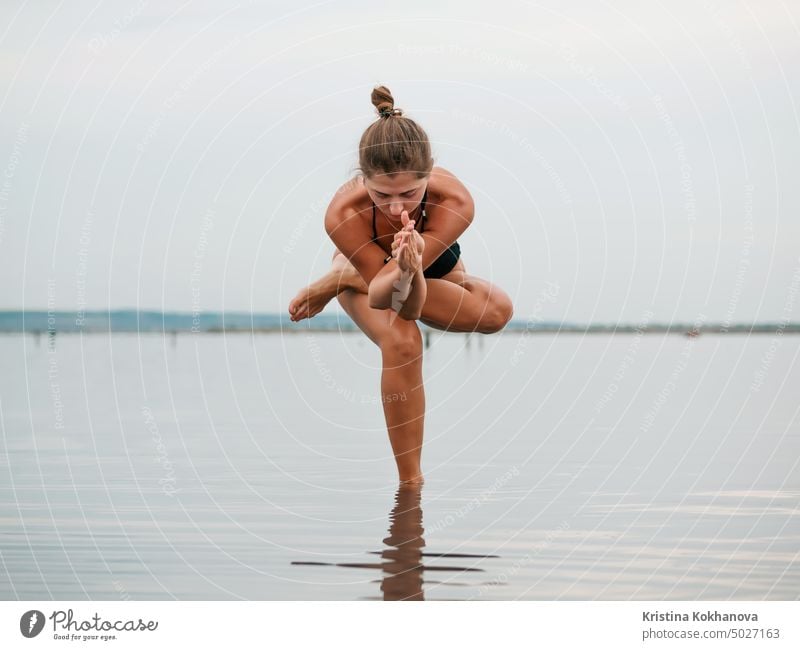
(311, 301)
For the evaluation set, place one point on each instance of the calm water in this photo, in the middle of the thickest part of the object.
(557, 467)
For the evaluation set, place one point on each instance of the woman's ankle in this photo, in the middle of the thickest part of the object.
(411, 478)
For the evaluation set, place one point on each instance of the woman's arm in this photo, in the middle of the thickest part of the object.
(403, 292)
(447, 221)
(351, 238)
(407, 293)
(388, 289)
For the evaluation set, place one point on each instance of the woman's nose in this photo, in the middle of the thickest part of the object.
(396, 209)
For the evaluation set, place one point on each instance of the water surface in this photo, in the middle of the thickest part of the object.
(258, 467)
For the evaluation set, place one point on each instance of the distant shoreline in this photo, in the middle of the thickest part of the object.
(154, 322)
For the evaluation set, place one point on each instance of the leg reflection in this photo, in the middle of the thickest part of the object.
(402, 560)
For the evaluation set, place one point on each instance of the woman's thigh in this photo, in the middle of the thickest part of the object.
(379, 325)
(474, 304)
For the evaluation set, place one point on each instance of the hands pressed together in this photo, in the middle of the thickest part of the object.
(407, 246)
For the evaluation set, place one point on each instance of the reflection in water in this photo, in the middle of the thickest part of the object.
(402, 564)
(402, 560)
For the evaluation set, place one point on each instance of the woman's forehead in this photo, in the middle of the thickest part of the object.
(402, 182)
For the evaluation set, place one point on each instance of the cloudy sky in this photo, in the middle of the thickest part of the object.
(638, 157)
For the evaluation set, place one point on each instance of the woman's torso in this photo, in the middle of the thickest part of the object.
(353, 199)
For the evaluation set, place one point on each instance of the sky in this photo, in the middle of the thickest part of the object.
(629, 161)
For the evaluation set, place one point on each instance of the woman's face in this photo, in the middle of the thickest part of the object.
(393, 193)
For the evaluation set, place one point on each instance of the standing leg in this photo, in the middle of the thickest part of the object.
(402, 391)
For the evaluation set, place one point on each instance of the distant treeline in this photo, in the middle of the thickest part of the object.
(131, 320)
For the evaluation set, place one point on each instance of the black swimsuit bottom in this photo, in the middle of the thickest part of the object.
(443, 264)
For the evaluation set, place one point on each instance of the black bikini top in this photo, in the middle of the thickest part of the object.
(421, 220)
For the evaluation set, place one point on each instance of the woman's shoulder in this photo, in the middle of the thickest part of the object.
(349, 201)
(444, 187)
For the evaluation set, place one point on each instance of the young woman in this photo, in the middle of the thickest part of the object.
(397, 260)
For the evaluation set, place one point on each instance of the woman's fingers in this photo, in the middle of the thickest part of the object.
(407, 244)
(411, 241)
(399, 238)
(407, 253)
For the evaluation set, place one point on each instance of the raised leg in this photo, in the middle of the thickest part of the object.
(474, 305)
(458, 302)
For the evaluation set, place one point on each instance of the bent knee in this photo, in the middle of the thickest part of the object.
(498, 312)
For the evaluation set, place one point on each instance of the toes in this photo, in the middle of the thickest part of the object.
(296, 310)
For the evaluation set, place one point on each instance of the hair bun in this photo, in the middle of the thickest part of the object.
(383, 101)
